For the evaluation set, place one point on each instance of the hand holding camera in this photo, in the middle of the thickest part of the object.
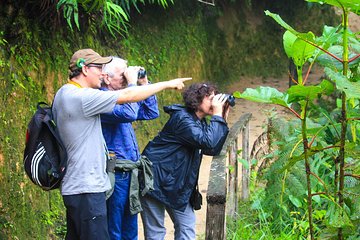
(142, 77)
(217, 103)
(136, 75)
(221, 104)
(131, 74)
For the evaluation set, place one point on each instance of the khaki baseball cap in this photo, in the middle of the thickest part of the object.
(85, 57)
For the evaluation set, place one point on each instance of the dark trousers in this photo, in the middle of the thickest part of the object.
(86, 216)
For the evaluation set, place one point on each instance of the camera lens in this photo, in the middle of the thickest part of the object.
(141, 73)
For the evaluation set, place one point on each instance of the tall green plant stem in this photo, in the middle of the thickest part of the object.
(282, 192)
(307, 168)
(299, 73)
(343, 118)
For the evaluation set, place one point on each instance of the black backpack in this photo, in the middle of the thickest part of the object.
(45, 157)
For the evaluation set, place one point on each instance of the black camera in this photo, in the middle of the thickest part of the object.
(230, 99)
(141, 73)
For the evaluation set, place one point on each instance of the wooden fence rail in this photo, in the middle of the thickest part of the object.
(229, 180)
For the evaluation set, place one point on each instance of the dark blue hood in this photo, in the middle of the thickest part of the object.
(173, 108)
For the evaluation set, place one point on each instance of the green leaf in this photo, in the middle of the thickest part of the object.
(288, 42)
(297, 49)
(295, 201)
(244, 163)
(352, 149)
(330, 35)
(352, 89)
(350, 5)
(294, 159)
(237, 94)
(328, 61)
(299, 92)
(337, 217)
(327, 87)
(231, 168)
(317, 199)
(254, 162)
(282, 23)
(70, 9)
(264, 95)
(115, 17)
(353, 113)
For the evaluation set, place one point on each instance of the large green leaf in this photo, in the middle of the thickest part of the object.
(264, 95)
(352, 89)
(299, 92)
(329, 61)
(337, 50)
(330, 36)
(295, 43)
(297, 49)
(279, 20)
(351, 5)
(288, 42)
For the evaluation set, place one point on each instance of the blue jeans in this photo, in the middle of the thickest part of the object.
(153, 215)
(122, 225)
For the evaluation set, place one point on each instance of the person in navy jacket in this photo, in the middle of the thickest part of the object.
(176, 154)
(120, 138)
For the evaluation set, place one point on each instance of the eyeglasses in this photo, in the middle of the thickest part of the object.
(99, 66)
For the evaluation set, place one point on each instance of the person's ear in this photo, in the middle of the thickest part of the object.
(106, 79)
(84, 70)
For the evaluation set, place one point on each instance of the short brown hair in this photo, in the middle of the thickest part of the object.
(195, 93)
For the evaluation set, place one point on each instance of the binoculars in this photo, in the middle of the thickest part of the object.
(230, 99)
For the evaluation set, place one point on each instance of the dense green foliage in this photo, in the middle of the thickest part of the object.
(115, 15)
(188, 39)
(312, 186)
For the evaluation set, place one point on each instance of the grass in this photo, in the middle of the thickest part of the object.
(248, 225)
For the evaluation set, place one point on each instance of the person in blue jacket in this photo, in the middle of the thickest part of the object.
(176, 154)
(120, 138)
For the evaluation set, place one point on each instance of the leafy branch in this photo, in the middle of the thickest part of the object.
(114, 14)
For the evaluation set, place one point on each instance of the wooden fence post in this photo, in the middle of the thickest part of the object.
(223, 188)
(245, 181)
(233, 182)
(216, 198)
